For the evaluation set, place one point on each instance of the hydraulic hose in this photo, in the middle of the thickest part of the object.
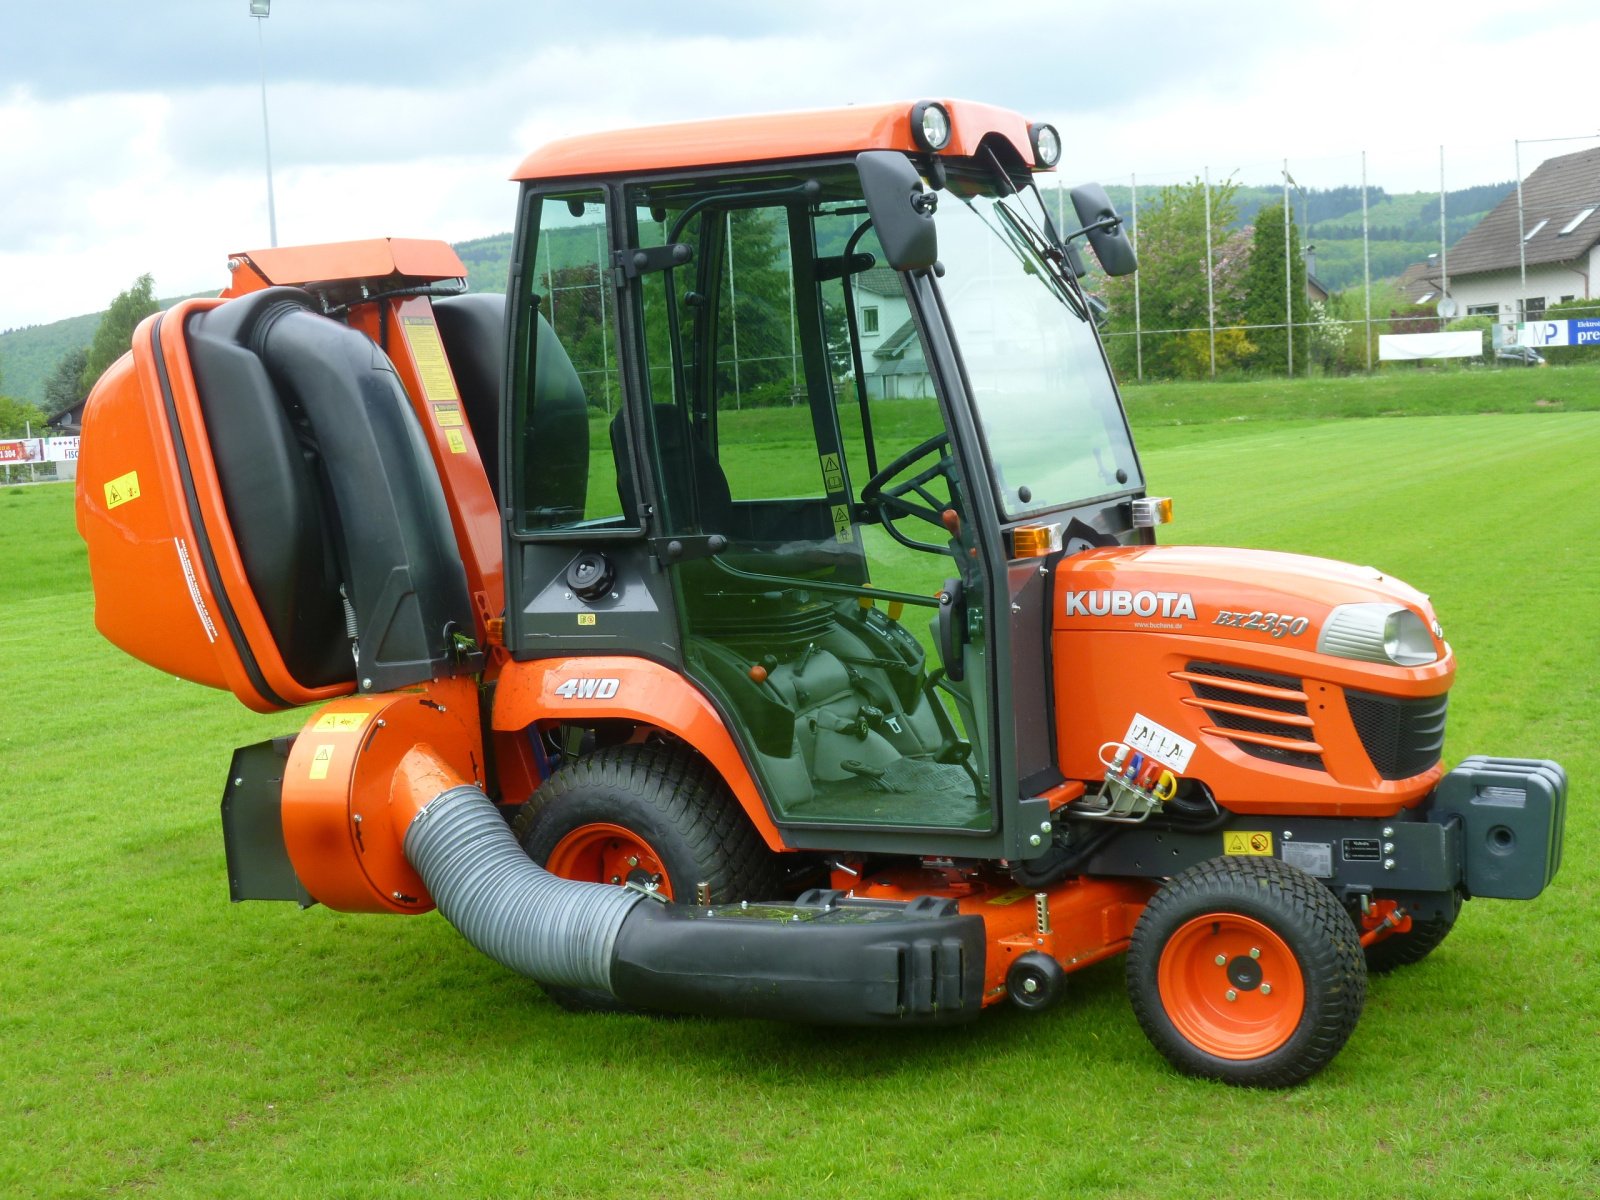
(553, 930)
(825, 959)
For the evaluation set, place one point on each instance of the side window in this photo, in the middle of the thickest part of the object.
(568, 383)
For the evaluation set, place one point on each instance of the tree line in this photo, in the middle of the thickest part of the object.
(79, 368)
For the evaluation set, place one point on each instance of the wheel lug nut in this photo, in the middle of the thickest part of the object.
(1222, 960)
(1232, 995)
(1254, 953)
(1266, 989)
(633, 860)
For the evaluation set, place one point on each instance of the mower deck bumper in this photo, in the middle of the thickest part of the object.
(823, 960)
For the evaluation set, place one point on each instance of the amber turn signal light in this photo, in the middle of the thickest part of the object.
(1035, 541)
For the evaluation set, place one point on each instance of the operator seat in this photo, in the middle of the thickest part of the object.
(692, 479)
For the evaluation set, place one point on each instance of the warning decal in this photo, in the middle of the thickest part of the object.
(832, 474)
(1012, 896)
(321, 760)
(122, 489)
(448, 414)
(841, 523)
(1235, 842)
(422, 335)
(585, 618)
(340, 722)
(458, 442)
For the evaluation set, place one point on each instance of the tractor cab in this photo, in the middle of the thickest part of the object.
(799, 428)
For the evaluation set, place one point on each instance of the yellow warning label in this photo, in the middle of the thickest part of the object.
(122, 489)
(422, 335)
(321, 760)
(340, 722)
(448, 414)
(832, 474)
(458, 442)
(585, 618)
(1012, 896)
(1247, 843)
(841, 523)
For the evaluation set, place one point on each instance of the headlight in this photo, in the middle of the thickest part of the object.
(930, 125)
(1046, 144)
(1381, 633)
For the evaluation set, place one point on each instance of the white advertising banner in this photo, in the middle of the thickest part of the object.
(61, 449)
(1409, 347)
(21, 450)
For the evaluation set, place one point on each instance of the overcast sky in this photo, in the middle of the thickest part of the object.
(131, 133)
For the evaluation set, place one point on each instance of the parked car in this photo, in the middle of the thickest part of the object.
(1528, 356)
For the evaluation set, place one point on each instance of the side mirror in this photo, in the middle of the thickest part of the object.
(901, 208)
(1104, 228)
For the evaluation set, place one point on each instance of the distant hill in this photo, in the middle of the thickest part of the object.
(28, 355)
(1404, 228)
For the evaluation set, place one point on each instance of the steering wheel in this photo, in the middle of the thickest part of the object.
(894, 499)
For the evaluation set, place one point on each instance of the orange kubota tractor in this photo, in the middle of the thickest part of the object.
(757, 611)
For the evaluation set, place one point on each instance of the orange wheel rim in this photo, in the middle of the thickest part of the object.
(605, 853)
(1231, 986)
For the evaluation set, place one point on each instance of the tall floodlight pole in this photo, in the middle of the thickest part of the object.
(1522, 234)
(1366, 260)
(1211, 300)
(1288, 271)
(1138, 320)
(259, 9)
(1444, 266)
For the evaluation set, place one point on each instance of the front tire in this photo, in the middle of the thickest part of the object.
(653, 815)
(1246, 970)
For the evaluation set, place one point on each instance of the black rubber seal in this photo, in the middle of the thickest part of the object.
(208, 561)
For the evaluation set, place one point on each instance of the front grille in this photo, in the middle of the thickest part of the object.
(1243, 702)
(1402, 737)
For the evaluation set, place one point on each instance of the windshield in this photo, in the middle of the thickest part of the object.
(1054, 431)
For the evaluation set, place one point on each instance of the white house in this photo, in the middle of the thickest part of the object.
(1558, 234)
(891, 352)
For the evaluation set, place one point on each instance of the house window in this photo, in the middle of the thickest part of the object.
(1528, 237)
(1483, 310)
(1576, 221)
(1567, 299)
(869, 320)
(1533, 308)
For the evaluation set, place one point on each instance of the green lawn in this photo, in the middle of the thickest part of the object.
(158, 1040)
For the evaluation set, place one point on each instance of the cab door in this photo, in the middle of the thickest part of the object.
(810, 513)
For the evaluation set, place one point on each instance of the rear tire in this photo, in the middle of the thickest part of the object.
(658, 815)
(1289, 989)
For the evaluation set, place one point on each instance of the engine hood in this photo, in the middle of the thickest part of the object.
(1260, 596)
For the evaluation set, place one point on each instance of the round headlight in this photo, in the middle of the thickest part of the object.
(930, 125)
(1046, 144)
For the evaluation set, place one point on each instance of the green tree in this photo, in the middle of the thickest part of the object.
(65, 387)
(1172, 280)
(16, 416)
(115, 334)
(1267, 295)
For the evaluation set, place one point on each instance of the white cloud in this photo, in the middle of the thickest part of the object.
(407, 118)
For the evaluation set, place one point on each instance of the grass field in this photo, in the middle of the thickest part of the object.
(155, 1040)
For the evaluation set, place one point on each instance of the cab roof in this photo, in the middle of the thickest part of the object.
(770, 138)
